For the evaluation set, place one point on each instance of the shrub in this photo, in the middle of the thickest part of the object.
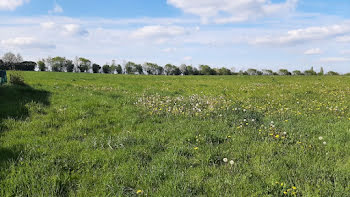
(16, 79)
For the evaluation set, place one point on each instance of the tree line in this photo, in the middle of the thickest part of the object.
(11, 61)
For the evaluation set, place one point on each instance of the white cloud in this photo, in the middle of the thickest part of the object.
(74, 29)
(11, 4)
(343, 39)
(26, 42)
(345, 52)
(48, 25)
(334, 59)
(230, 11)
(305, 35)
(158, 31)
(57, 9)
(314, 51)
(188, 58)
(169, 50)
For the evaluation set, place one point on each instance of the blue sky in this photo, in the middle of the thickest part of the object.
(292, 34)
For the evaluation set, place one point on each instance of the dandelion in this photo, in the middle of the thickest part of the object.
(229, 136)
(324, 143)
(285, 193)
(139, 191)
(232, 162)
(225, 160)
(294, 187)
(320, 138)
(277, 136)
(195, 148)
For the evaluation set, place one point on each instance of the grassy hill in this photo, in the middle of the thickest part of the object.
(70, 134)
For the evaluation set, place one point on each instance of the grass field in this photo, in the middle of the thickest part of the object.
(69, 134)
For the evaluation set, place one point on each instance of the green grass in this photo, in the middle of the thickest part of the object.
(69, 134)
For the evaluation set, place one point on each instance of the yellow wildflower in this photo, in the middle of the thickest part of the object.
(139, 191)
(294, 187)
(195, 148)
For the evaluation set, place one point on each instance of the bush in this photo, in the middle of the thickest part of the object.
(16, 79)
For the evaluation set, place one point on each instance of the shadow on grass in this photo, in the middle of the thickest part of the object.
(13, 100)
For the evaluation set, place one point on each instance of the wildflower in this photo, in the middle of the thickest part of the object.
(272, 122)
(320, 138)
(286, 120)
(253, 120)
(284, 133)
(324, 143)
(139, 191)
(245, 120)
(229, 136)
(277, 136)
(195, 148)
(294, 187)
(282, 184)
(232, 162)
(285, 193)
(225, 160)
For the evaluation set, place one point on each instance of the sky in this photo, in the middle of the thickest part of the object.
(237, 34)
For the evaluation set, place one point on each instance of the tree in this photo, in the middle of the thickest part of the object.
(139, 69)
(297, 72)
(321, 73)
(69, 66)
(25, 66)
(310, 72)
(152, 68)
(252, 71)
(84, 64)
(96, 68)
(206, 70)
(2, 65)
(119, 69)
(168, 69)
(9, 59)
(41, 65)
(332, 73)
(58, 64)
(223, 71)
(184, 69)
(130, 68)
(267, 72)
(284, 72)
(106, 69)
(113, 67)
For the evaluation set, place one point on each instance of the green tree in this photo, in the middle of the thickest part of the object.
(58, 64)
(106, 69)
(206, 70)
(332, 73)
(96, 68)
(41, 65)
(130, 68)
(119, 69)
(297, 72)
(84, 64)
(69, 66)
(321, 73)
(284, 72)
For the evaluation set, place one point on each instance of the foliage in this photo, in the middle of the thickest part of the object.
(332, 73)
(284, 72)
(96, 68)
(41, 65)
(16, 79)
(84, 64)
(119, 69)
(69, 66)
(206, 70)
(106, 69)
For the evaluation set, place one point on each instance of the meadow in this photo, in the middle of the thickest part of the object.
(76, 134)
